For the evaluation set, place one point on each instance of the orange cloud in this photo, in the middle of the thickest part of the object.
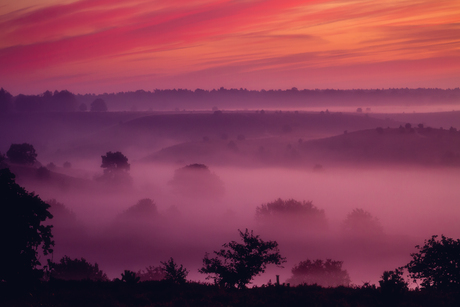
(98, 40)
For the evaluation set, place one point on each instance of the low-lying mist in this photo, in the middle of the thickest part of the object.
(108, 224)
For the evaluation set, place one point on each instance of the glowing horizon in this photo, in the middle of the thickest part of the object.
(110, 46)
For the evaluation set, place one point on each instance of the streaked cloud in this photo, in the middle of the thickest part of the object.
(101, 40)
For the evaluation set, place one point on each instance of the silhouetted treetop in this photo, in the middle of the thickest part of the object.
(151, 273)
(22, 231)
(327, 273)
(292, 211)
(145, 208)
(22, 154)
(437, 264)
(6, 101)
(98, 105)
(77, 269)
(196, 180)
(115, 161)
(174, 272)
(238, 263)
(361, 222)
(116, 168)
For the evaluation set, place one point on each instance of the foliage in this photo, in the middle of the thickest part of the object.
(151, 273)
(2, 161)
(361, 222)
(174, 272)
(98, 105)
(115, 161)
(43, 173)
(77, 269)
(197, 181)
(145, 208)
(22, 154)
(327, 273)
(437, 263)
(22, 230)
(293, 212)
(116, 168)
(237, 264)
(5, 101)
(130, 277)
(392, 283)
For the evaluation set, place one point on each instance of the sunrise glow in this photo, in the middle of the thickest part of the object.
(105, 46)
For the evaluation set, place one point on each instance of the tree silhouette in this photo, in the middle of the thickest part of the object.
(197, 181)
(22, 231)
(237, 264)
(151, 273)
(144, 208)
(303, 214)
(437, 264)
(327, 273)
(361, 222)
(98, 105)
(22, 154)
(393, 284)
(5, 101)
(173, 272)
(116, 167)
(130, 277)
(77, 269)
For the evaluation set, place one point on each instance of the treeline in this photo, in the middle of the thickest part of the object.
(180, 99)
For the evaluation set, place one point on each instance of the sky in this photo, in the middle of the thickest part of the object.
(97, 46)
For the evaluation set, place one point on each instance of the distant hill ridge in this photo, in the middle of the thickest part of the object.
(199, 99)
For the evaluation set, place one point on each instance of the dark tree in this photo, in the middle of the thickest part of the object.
(22, 154)
(63, 101)
(151, 273)
(116, 168)
(43, 173)
(173, 272)
(29, 103)
(237, 264)
(145, 208)
(2, 161)
(115, 161)
(327, 273)
(437, 264)
(197, 181)
(291, 211)
(361, 222)
(130, 277)
(6, 100)
(22, 231)
(98, 105)
(77, 269)
(393, 284)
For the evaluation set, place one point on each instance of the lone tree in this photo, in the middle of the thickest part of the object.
(237, 264)
(173, 272)
(197, 181)
(98, 105)
(22, 231)
(327, 273)
(77, 269)
(116, 167)
(22, 154)
(361, 222)
(437, 264)
(295, 213)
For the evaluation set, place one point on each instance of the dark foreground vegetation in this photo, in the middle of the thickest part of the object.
(163, 293)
